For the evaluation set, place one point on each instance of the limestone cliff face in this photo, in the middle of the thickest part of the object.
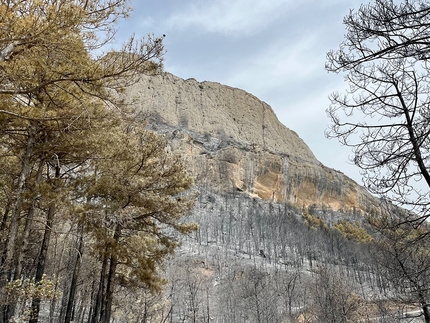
(234, 142)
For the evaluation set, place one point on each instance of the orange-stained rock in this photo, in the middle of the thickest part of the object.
(232, 141)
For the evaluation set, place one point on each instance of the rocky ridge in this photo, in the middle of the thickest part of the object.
(233, 142)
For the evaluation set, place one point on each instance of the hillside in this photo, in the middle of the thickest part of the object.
(270, 247)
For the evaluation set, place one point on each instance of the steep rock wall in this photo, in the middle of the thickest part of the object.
(234, 142)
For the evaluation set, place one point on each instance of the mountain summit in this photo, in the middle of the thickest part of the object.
(233, 141)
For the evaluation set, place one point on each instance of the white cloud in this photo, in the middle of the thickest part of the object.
(282, 63)
(230, 17)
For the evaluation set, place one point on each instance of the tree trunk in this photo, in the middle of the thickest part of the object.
(16, 210)
(426, 310)
(4, 232)
(6, 311)
(24, 241)
(97, 307)
(92, 301)
(109, 290)
(41, 261)
(70, 304)
(110, 281)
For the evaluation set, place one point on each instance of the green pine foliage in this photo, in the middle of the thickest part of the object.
(353, 231)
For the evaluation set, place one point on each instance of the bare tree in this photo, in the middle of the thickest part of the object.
(287, 285)
(404, 257)
(384, 115)
(334, 297)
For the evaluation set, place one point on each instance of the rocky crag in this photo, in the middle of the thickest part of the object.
(234, 143)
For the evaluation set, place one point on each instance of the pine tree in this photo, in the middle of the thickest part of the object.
(136, 194)
(57, 89)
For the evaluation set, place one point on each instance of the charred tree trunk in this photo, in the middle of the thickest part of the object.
(426, 311)
(71, 301)
(16, 210)
(111, 280)
(23, 244)
(98, 302)
(41, 261)
(3, 232)
(10, 253)
(24, 241)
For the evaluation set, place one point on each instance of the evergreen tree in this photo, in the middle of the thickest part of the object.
(57, 91)
(136, 194)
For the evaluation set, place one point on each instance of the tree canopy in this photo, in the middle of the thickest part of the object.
(384, 115)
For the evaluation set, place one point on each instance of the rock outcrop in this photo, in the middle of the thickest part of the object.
(233, 142)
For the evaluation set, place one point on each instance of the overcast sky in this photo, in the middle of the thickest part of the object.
(274, 49)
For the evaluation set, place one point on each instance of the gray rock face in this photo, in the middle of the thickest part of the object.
(233, 142)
